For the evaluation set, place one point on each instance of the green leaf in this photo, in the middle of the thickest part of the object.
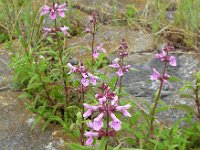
(118, 147)
(103, 143)
(185, 107)
(174, 79)
(162, 108)
(75, 146)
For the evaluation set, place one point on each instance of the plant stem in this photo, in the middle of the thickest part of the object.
(82, 129)
(62, 66)
(197, 101)
(107, 123)
(93, 40)
(43, 83)
(120, 78)
(152, 114)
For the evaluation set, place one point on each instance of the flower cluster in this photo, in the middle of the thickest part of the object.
(164, 57)
(53, 12)
(118, 63)
(54, 30)
(107, 107)
(92, 30)
(86, 77)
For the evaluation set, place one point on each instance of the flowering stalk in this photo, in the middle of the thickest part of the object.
(118, 63)
(54, 11)
(85, 80)
(171, 60)
(92, 31)
(107, 107)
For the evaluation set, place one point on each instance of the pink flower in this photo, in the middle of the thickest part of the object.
(64, 30)
(120, 72)
(157, 76)
(96, 50)
(47, 31)
(95, 54)
(115, 123)
(91, 135)
(93, 79)
(98, 123)
(123, 109)
(115, 65)
(90, 110)
(114, 100)
(72, 68)
(172, 61)
(56, 10)
(100, 48)
(162, 56)
(85, 82)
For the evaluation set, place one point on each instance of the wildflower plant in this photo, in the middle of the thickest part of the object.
(167, 59)
(105, 124)
(119, 63)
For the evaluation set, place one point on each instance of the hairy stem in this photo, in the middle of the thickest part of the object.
(43, 83)
(152, 114)
(62, 67)
(197, 101)
(82, 129)
(107, 123)
(93, 40)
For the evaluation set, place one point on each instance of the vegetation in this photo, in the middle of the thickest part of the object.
(83, 99)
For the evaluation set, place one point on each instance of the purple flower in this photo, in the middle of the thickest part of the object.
(47, 31)
(95, 54)
(98, 123)
(120, 72)
(162, 56)
(157, 76)
(72, 68)
(93, 79)
(90, 110)
(64, 30)
(85, 82)
(56, 10)
(121, 69)
(91, 135)
(123, 109)
(45, 10)
(115, 123)
(172, 61)
(99, 48)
